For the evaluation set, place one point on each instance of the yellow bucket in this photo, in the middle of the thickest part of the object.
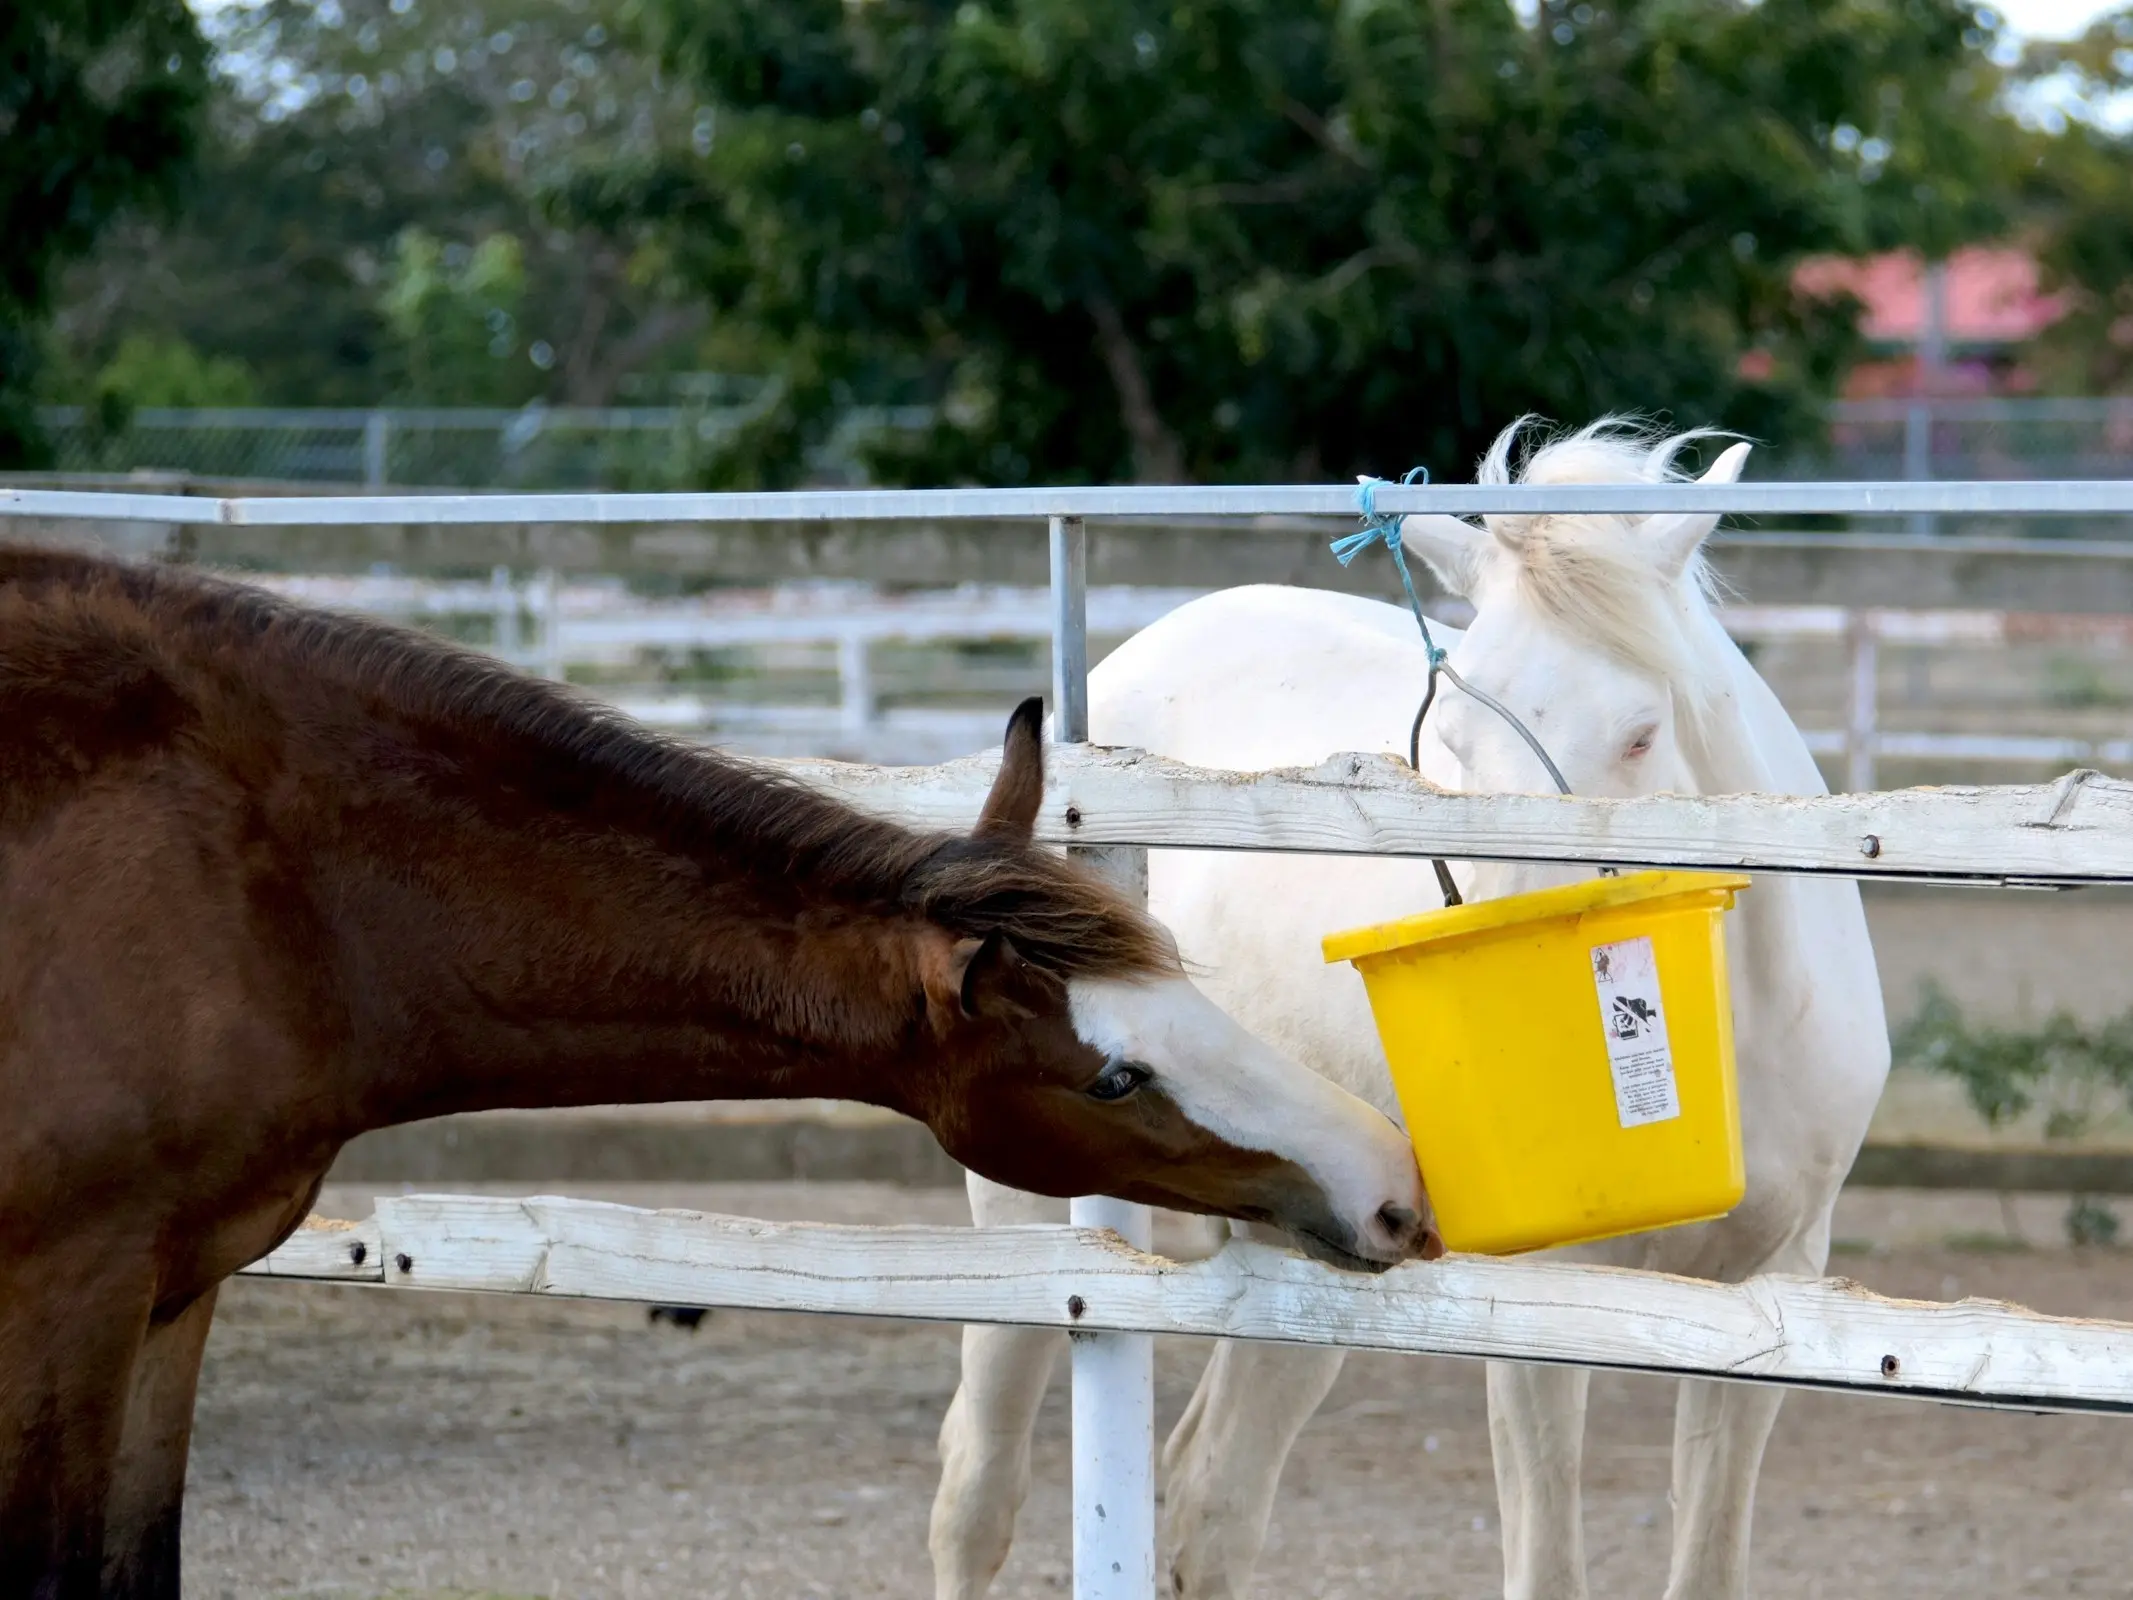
(1564, 1058)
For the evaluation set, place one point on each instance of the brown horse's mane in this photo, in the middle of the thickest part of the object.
(586, 757)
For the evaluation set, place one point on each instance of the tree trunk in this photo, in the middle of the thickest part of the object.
(1157, 457)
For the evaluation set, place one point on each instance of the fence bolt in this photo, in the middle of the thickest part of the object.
(1870, 846)
(357, 1251)
(1890, 1366)
(1076, 1306)
(1073, 816)
(406, 1262)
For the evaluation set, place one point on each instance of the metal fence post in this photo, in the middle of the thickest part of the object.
(1932, 362)
(545, 600)
(503, 611)
(377, 450)
(1114, 1373)
(1918, 461)
(1862, 733)
(855, 682)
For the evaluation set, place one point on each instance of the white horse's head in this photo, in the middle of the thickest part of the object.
(1589, 627)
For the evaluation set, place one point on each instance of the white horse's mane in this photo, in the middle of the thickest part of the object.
(1595, 574)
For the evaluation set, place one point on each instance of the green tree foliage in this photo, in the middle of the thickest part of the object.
(2076, 178)
(1228, 239)
(147, 371)
(98, 105)
(455, 314)
(373, 166)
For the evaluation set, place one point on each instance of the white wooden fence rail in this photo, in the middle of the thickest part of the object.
(1803, 1332)
(2076, 830)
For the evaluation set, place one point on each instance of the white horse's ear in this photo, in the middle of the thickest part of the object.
(1676, 537)
(1451, 548)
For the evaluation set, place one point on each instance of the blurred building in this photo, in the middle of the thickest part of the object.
(1951, 330)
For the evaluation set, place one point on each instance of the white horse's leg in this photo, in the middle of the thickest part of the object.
(985, 1438)
(1537, 1433)
(1720, 1430)
(1223, 1461)
(1719, 1433)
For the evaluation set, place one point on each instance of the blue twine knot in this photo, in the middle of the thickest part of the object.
(1383, 527)
(1377, 525)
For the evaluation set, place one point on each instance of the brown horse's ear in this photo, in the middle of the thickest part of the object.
(964, 977)
(1011, 808)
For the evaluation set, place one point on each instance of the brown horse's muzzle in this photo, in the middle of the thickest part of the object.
(1282, 1195)
(1393, 1233)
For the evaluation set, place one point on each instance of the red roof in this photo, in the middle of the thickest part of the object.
(1993, 296)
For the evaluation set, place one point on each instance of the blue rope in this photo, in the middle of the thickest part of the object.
(1384, 527)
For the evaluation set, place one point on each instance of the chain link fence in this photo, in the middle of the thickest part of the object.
(537, 447)
(653, 447)
(1994, 439)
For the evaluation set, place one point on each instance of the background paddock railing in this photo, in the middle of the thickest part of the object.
(598, 631)
(604, 636)
(2077, 830)
(1863, 741)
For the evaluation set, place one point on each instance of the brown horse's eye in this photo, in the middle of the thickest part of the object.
(1118, 1081)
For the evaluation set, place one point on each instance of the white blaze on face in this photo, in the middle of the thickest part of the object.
(1243, 1091)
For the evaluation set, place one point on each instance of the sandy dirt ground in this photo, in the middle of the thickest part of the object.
(360, 1444)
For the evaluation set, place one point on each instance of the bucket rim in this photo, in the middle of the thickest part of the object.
(1538, 905)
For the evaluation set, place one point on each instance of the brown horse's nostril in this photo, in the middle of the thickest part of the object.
(1407, 1229)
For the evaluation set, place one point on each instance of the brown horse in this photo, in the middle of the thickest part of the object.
(271, 877)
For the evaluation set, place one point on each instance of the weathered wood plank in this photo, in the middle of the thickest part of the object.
(344, 1252)
(2077, 830)
(1800, 1332)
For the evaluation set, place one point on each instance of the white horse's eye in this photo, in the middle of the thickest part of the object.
(1640, 745)
(1119, 1080)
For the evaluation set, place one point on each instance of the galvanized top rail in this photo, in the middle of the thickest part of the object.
(2060, 498)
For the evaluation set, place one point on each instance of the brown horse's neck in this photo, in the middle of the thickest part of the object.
(514, 928)
(556, 967)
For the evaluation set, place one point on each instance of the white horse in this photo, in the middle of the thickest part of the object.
(1598, 631)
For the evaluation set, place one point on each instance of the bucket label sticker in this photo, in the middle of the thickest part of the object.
(1627, 976)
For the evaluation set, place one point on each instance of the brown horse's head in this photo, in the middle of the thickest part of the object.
(1075, 1056)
